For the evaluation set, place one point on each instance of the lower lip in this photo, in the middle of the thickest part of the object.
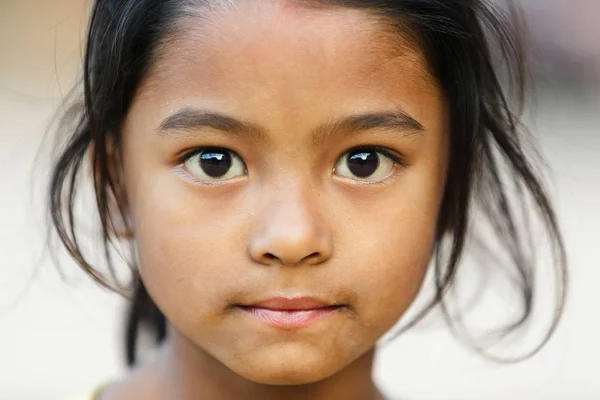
(289, 318)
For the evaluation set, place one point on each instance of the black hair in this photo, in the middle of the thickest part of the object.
(472, 48)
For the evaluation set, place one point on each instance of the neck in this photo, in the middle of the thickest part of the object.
(188, 372)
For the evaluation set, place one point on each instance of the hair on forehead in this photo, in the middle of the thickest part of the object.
(395, 36)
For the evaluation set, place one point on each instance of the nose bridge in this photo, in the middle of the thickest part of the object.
(293, 209)
(290, 228)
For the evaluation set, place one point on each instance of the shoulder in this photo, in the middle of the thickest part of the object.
(141, 383)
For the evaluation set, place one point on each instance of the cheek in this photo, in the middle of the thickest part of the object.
(393, 270)
(392, 247)
(391, 282)
(186, 245)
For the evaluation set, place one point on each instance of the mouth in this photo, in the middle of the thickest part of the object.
(290, 313)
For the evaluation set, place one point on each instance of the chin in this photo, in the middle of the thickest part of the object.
(288, 376)
(286, 367)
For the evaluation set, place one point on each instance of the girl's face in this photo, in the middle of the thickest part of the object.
(278, 153)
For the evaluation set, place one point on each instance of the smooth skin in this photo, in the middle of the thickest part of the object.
(289, 218)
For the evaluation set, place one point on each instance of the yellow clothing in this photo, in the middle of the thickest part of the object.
(94, 395)
(91, 396)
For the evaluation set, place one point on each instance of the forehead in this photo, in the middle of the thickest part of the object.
(274, 50)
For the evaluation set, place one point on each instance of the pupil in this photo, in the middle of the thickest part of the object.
(215, 164)
(363, 164)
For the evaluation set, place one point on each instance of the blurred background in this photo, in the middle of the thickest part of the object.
(60, 336)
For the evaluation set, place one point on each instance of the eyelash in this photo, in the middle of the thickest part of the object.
(392, 155)
(398, 159)
(197, 150)
(382, 150)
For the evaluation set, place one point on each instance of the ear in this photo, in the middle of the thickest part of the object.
(117, 219)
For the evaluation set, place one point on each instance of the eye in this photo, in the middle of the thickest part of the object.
(367, 164)
(214, 164)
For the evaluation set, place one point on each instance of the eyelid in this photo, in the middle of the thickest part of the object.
(187, 154)
(183, 171)
(392, 155)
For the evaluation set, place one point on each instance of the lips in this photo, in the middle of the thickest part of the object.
(288, 313)
(292, 304)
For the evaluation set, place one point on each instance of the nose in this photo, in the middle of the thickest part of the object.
(290, 231)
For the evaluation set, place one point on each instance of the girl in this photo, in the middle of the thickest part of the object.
(285, 171)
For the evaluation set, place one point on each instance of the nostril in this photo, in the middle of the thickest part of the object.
(271, 257)
(311, 257)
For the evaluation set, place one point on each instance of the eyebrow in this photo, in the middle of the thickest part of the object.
(192, 119)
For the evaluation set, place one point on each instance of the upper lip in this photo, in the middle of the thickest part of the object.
(292, 303)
